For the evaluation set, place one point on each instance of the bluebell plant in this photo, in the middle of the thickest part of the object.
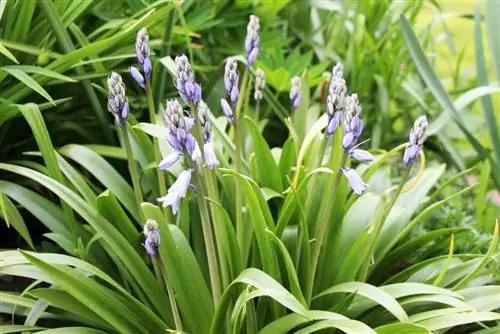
(335, 100)
(152, 234)
(231, 79)
(260, 84)
(185, 83)
(117, 100)
(143, 54)
(252, 40)
(417, 138)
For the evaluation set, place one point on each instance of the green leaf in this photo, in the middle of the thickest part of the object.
(5, 51)
(91, 294)
(287, 323)
(369, 291)
(348, 326)
(28, 81)
(402, 329)
(4, 329)
(452, 320)
(267, 169)
(105, 173)
(13, 218)
(38, 70)
(261, 281)
(72, 330)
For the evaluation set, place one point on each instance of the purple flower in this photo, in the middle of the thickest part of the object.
(152, 235)
(417, 139)
(260, 84)
(137, 76)
(335, 101)
(361, 155)
(231, 79)
(210, 157)
(178, 135)
(177, 191)
(189, 90)
(355, 181)
(353, 125)
(226, 109)
(206, 126)
(117, 101)
(295, 96)
(143, 52)
(170, 160)
(252, 40)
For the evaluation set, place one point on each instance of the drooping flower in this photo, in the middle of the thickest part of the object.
(353, 125)
(178, 136)
(152, 235)
(185, 83)
(117, 101)
(361, 155)
(355, 181)
(226, 109)
(177, 191)
(295, 96)
(137, 76)
(208, 150)
(231, 79)
(260, 84)
(417, 139)
(252, 40)
(335, 101)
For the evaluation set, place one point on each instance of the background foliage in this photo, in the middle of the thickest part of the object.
(71, 242)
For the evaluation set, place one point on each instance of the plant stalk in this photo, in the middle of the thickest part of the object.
(162, 188)
(324, 216)
(171, 296)
(134, 174)
(237, 138)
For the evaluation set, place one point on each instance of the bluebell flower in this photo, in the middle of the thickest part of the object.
(252, 40)
(417, 139)
(152, 235)
(177, 191)
(137, 76)
(295, 96)
(260, 84)
(206, 126)
(335, 101)
(226, 109)
(178, 135)
(117, 101)
(353, 125)
(361, 155)
(143, 51)
(355, 181)
(185, 83)
(231, 79)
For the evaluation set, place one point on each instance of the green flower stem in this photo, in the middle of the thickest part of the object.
(162, 188)
(379, 223)
(213, 193)
(325, 215)
(171, 295)
(178, 6)
(322, 151)
(165, 50)
(238, 139)
(132, 166)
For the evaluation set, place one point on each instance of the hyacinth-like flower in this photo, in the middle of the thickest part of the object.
(260, 84)
(152, 235)
(177, 191)
(143, 53)
(353, 125)
(178, 135)
(295, 96)
(417, 139)
(335, 100)
(252, 40)
(355, 181)
(208, 149)
(231, 79)
(226, 109)
(189, 90)
(117, 101)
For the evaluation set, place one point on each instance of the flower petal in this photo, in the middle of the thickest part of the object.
(169, 161)
(361, 155)
(134, 72)
(355, 181)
